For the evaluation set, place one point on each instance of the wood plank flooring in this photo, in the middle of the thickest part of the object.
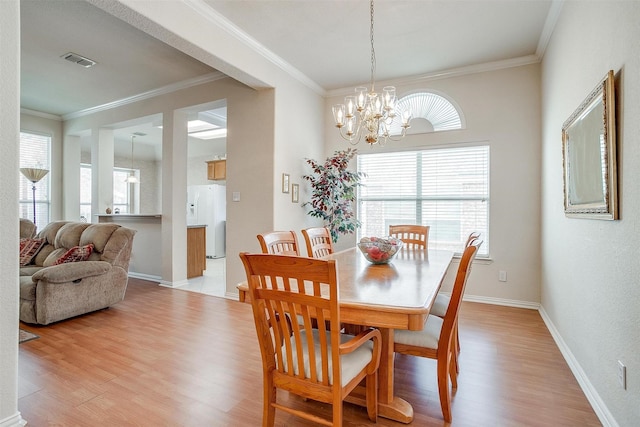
(166, 357)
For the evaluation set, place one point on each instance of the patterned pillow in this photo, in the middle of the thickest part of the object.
(76, 253)
(28, 250)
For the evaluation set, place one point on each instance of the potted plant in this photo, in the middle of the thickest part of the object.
(333, 191)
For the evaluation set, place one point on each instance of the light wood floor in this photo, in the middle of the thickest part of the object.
(165, 357)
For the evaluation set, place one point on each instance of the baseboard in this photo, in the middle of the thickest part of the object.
(232, 295)
(13, 421)
(173, 284)
(501, 301)
(598, 405)
(143, 276)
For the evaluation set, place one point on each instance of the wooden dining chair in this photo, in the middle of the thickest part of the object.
(439, 307)
(279, 243)
(318, 241)
(413, 236)
(318, 364)
(441, 303)
(437, 339)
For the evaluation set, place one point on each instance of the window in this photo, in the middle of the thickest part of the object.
(35, 153)
(446, 189)
(123, 196)
(85, 192)
(436, 110)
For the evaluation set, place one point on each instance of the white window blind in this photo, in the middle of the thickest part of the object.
(446, 189)
(85, 193)
(34, 153)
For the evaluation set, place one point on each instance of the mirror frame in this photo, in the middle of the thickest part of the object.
(589, 156)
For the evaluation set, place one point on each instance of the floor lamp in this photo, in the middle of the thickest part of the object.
(34, 175)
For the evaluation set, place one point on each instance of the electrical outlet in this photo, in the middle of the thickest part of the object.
(502, 276)
(622, 375)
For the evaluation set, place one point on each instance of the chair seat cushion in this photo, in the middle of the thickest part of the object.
(426, 338)
(351, 363)
(440, 305)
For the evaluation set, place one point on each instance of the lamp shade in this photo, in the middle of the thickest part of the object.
(34, 174)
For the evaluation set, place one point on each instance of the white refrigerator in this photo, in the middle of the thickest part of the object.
(207, 205)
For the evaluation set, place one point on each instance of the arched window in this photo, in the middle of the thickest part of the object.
(431, 113)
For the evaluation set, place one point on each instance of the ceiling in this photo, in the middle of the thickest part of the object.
(326, 40)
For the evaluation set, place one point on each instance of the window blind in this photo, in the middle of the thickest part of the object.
(445, 188)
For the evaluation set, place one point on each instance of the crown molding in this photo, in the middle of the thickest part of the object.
(234, 31)
(549, 26)
(453, 72)
(41, 114)
(207, 78)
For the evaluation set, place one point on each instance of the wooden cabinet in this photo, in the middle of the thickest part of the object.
(217, 169)
(196, 251)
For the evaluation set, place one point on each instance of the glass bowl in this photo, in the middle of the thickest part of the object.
(379, 250)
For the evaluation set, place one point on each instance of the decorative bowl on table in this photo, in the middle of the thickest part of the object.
(379, 250)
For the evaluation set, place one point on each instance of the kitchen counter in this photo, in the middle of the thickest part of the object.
(146, 253)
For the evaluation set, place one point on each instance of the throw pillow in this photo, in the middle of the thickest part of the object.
(28, 250)
(75, 254)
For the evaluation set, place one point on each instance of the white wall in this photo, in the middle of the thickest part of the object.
(9, 137)
(590, 268)
(501, 108)
(261, 144)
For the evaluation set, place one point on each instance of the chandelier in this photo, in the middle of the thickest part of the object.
(368, 113)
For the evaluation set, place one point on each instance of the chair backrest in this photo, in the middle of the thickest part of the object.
(459, 285)
(284, 287)
(318, 240)
(279, 243)
(413, 236)
(472, 236)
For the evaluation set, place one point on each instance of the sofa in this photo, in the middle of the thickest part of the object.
(78, 268)
(27, 228)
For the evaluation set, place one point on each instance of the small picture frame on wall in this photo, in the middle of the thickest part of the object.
(285, 182)
(295, 193)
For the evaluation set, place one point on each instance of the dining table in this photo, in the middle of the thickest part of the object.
(397, 295)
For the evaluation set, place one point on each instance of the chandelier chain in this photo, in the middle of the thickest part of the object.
(373, 51)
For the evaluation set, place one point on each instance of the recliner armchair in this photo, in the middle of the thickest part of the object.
(50, 292)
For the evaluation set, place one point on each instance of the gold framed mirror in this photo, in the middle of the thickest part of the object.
(589, 156)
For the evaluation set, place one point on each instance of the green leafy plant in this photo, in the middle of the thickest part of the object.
(333, 192)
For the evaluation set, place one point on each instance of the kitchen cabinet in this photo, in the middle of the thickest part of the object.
(196, 250)
(217, 170)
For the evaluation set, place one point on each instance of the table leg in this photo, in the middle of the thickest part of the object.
(389, 406)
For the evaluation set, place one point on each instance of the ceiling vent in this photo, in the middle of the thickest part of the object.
(80, 60)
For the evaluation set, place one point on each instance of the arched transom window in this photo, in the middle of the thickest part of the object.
(431, 113)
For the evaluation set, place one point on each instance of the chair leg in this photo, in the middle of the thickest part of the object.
(337, 412)
(456, 346)
(443, 385)
(372, 396)
(269, 398)
(453, 372)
